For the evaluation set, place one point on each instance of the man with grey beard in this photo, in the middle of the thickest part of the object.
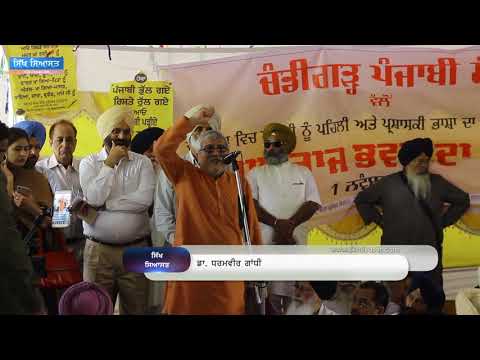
(409, 205)
(285, 196)
(165, 211)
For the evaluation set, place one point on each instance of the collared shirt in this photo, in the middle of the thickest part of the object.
(61, 179)
(124, 193)
(281, 190)
(325, 310)
(393, 309)
(165, 211)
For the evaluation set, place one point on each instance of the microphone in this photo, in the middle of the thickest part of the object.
(230, 157)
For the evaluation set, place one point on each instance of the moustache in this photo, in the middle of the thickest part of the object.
(121, 142)
(215, 159)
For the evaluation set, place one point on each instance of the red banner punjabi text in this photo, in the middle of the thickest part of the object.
(301, 75)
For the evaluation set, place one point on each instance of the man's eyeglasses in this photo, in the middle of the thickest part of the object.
(276, 144)
(210, 149)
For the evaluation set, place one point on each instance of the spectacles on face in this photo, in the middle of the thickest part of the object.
(276, 144)
(210, 149)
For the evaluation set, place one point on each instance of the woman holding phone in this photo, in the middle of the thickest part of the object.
(31, 189)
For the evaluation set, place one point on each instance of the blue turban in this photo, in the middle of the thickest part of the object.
(33, 129)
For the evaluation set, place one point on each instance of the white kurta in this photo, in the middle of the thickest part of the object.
(281, 190)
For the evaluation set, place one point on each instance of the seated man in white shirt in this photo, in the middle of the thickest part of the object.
(120, 184)
(370, 298)
(286, 196)
(398, 291)
(62, 171)
(164, 205)
(340, 301)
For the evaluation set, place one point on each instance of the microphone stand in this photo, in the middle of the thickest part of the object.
(258, 286)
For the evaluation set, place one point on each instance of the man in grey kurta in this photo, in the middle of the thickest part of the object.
(409, 205)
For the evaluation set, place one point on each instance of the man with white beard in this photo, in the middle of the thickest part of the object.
(305, 302)
(409, 205)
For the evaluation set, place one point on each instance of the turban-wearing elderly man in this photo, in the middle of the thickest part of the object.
(286, 196)
(120, 185)
(207, 214)
(412, 202)
(36, 134)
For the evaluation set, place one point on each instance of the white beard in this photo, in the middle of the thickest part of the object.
(420, 185)
(341, 302)
(302, 307)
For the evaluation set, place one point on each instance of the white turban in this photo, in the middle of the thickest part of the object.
(215, 123)
(112, 117)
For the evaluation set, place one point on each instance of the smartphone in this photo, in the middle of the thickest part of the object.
(62, 202)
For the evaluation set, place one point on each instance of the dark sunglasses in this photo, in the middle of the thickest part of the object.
(276, 144)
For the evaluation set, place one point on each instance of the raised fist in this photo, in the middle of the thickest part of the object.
(200, 114)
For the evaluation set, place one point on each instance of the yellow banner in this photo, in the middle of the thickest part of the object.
(46, 92)
(151, 101)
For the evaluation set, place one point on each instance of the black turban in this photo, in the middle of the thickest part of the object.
(413, 148)
(144, 139)
(325, 290)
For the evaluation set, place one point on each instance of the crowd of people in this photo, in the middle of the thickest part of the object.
(137, 192)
